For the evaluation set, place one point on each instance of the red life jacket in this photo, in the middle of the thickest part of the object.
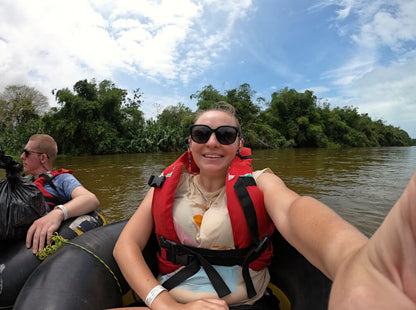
(244, 202)
(47, 179)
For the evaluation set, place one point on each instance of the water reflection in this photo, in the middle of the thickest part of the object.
(361, 184)
(119, 181)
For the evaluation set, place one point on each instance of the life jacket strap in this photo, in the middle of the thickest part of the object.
(255, 253)
(156, 181)
(52, 201)
(193, 258)
(198, 260)
(240, 188)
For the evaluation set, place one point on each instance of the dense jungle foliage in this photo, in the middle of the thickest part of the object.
(100, 118)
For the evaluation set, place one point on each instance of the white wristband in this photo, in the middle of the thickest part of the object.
(63, 210)
(153, 294)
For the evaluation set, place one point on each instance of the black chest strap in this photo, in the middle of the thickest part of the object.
(194, 258)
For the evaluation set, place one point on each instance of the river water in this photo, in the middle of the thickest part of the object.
(360, 184)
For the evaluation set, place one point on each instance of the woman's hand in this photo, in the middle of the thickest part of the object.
(214, 304)
(359, 285)
(382, 273)
(201, 304)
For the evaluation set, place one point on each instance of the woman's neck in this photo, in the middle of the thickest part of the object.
(211, 183)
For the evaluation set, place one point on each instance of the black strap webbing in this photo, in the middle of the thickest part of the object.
(49, 181)
(181, 275)
(240, 188)
(193, 258)
(217, 282)
(244, 157)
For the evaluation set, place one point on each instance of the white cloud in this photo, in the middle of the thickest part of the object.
(377, 25)
(52, 44)
(378, 76)
(351, 71)
(343, 5)
(388, 91)
(317, 90)
(170, 44)
(392, 27)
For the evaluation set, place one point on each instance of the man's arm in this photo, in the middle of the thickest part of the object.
(41, 231)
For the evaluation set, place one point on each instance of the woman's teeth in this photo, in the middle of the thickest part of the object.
(212, 156)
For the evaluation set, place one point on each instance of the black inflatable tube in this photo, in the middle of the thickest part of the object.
(75, 279)
(305, 286)
(17, 262)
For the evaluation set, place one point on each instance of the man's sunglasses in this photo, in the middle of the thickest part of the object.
(27, 152)
(225, 134)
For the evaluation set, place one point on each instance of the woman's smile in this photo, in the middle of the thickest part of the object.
(212, 156)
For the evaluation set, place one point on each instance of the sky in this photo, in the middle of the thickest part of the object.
(353, 53)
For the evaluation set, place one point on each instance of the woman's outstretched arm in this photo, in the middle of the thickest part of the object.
(382, 275)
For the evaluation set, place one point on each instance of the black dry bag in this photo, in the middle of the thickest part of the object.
(21, 202)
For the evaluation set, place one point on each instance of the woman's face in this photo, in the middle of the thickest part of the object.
(213, 157)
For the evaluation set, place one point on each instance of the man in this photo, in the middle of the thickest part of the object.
(65, 195)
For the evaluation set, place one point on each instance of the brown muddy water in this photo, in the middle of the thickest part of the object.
(360, 184)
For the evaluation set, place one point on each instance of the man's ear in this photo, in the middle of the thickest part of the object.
(44, 158)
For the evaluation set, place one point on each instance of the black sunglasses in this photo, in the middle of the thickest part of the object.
(27, 152)
(225, 134)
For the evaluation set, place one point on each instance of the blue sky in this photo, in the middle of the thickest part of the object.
(349, 52)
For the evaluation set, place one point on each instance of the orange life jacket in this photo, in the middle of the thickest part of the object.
(43, 179)
(250, 223)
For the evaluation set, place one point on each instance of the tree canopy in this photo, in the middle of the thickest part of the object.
(20, 104)
(100, 118)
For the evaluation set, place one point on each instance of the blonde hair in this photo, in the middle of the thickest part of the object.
(223, 107)
(45, 144)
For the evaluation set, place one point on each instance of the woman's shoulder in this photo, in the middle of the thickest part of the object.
(257, 173)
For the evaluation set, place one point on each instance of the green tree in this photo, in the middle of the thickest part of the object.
(20, 104)
(174, 122)
(21, 109)
(100, 118)
(133, 123)
(241, 98)
(296, 116)
(207, 97)
(90, 119)
(246, 110)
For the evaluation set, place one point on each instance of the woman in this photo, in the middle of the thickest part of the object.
(201, 217)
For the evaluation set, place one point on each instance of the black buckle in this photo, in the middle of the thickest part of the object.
(257, 249)
(156, 181)
(263, 244)
(184, 259)
(172, 254)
